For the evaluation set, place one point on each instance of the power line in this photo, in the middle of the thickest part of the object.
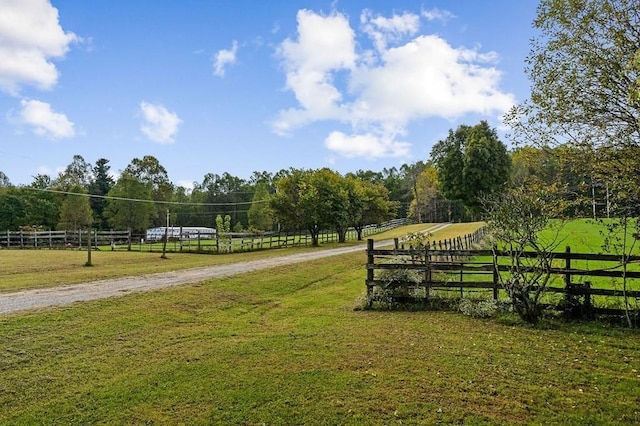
(139, 200)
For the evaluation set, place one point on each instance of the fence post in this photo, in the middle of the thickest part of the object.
(567, 266)
(427, 270)
(495, 273)
(588, 311)
(370, 262)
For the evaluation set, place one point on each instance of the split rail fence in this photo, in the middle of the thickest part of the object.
(593, 281)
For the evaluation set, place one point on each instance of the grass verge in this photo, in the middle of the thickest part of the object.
(28, 269)
(286, 347)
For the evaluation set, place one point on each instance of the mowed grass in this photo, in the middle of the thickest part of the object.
(285, 346)
(588, 236)
(28, 269)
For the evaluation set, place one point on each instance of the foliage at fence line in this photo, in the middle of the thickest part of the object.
(585, 291)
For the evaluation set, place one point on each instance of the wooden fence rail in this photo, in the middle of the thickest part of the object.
(60, 239)
(202, 243)
(471, 270)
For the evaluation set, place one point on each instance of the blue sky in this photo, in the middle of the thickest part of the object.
(240, 86)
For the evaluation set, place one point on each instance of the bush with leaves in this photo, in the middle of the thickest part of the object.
(478, 308)
(516, 219)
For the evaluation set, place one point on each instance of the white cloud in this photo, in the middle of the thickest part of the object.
(409, 76)
(44, 121)
(436, 14)
(427, 77)
(30, 37)
(325, 45)
(159, 125)
(366, 145)
(225, 58)
(386, 30)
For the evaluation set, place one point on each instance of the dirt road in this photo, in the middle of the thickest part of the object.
(66, 295)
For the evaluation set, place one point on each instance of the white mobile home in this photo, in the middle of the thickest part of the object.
(180, 232)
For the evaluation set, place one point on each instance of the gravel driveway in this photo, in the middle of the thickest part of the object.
(66, 295)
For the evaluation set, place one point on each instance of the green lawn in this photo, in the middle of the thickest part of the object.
(28, 269)
(287, 347)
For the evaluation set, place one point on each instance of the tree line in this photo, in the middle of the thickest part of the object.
(470, 164)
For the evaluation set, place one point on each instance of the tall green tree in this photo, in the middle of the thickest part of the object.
(78, 172)
(12, 210)
(75, 212)
(370, 204)
(331, 197)
(149, 171)
(393, 180)
(259, 215)
(584, 71)
(99, 187)
(472, 163)
(131, 204)
(224, 194)
(429, 204)
(486, 166)
(411, 174)
(292, 204)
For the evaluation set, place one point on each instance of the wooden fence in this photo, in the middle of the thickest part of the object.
(463, 242)
(202, 243)
(61, 239)
(463, 270)
(241, 242)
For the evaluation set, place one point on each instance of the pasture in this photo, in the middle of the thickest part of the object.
(287, 347)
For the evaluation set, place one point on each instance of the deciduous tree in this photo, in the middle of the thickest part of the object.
(259, 215)
(131, 204)
(471, 162)
(75, 212)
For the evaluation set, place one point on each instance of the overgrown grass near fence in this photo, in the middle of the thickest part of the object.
(594, 281)
(286, 347)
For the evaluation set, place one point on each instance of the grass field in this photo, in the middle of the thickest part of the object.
(26, 269)
(287, 347)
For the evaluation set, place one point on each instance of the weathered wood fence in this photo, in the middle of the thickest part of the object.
(201, 243)
(241, 242)
(61, 239)
(462, 242)
(466, 271)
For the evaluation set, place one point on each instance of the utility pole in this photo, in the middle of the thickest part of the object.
(166, 237)
(88, 247)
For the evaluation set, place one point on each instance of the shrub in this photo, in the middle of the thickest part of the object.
(478, 308)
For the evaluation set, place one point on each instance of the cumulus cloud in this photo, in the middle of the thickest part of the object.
(159, 125)
(407, 76)
(44, 121)
(224, 58)
(385, 30)
(30, 38)
(325, 45)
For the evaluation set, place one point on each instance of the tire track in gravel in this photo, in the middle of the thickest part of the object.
(68, 294)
